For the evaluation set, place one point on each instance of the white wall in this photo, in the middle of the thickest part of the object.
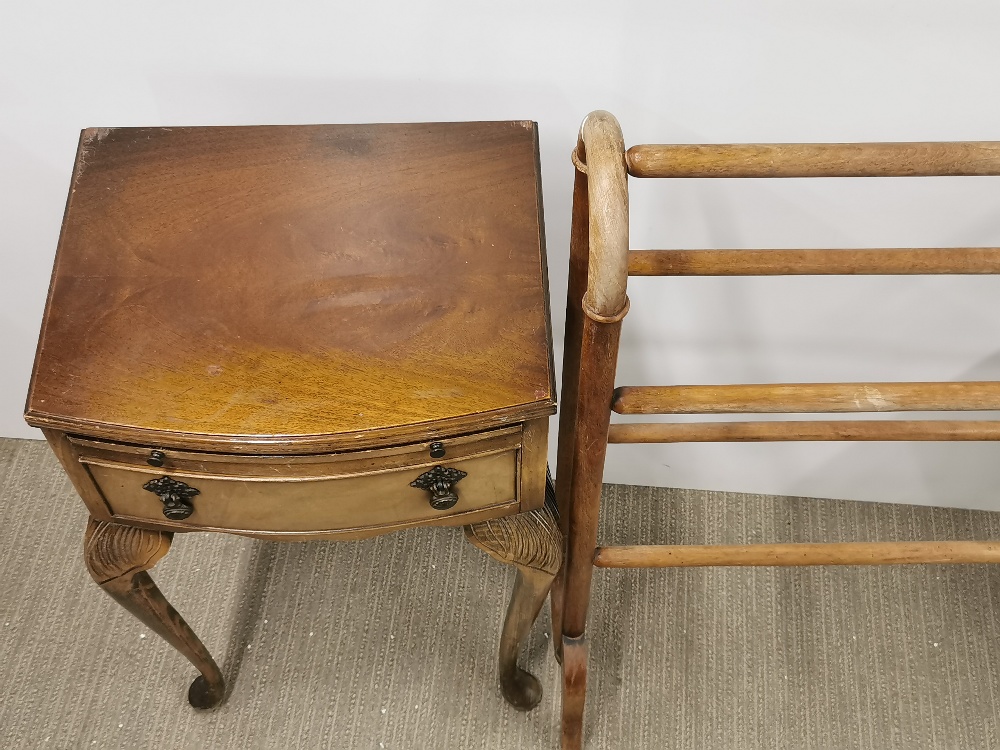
(671, 70)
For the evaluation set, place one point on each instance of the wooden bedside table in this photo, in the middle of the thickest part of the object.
(303, 332)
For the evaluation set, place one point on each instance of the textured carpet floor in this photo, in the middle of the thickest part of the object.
(390, 642)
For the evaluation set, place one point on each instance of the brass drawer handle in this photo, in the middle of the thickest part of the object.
(440, 482)
(175, 496)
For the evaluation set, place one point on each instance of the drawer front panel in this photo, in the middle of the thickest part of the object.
(351, 491)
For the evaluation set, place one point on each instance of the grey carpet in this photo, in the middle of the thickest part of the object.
(390, 642)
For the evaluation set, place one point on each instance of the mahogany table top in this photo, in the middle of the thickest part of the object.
(297, 287)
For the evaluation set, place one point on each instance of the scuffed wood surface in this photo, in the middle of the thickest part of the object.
(297, 288)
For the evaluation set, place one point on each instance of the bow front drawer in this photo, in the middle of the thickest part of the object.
(450, 481)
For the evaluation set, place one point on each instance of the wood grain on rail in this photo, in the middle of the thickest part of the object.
(815, 159)
(843, 553)
(607, 200)
(794, 398)
(815, 262)
(761, 432)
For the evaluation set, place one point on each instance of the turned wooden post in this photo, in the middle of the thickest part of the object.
(602, 309)
(579, 260)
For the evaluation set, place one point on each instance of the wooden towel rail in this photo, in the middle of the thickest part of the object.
(597, 302)
(862, 262)
(761, 432)
(784, 555)
(816, 160)
(798, 398)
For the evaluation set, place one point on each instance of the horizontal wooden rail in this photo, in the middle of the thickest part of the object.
(762, 432)
(815, 160)
(870, 261)
(794, 398)
(847, 553)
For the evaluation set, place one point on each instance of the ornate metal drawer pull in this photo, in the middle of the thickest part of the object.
(440, 482)
(175, 496)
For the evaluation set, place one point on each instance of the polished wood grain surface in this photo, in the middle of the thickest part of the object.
(297, 289)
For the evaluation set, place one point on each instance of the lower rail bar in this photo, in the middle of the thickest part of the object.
(751, 432)
(783, 555)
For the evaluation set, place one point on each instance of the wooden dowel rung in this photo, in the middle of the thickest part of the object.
(815, 160)
(869, 261)
(847, 553)
(750, 432)
(794, 398)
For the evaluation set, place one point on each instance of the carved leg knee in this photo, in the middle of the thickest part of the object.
(118, 558)
(532, 543)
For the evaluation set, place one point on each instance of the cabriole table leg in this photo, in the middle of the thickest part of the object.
(118, 557)
(532, 543)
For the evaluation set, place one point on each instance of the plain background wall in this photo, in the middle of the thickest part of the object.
(671, 70)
